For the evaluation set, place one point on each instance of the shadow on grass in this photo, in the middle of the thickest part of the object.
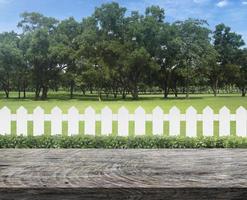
(63, 96)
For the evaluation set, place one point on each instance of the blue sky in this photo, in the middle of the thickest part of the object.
(231, 12)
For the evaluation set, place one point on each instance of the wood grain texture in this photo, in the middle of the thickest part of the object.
(123, 174)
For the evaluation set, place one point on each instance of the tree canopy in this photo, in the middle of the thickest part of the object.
(115, 53)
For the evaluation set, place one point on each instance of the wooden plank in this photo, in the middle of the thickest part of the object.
(140, 121)
(73, 121)
(123, 122)
(106, 121)
(5, 121)
(158, 122)
(56, 121)
(208, 122)
(122, 174)
(191, 122)
(38, 121)
(21, 121)
(174, 121)
(224, 122)
(123, 168)
(241, 122)
(89, 128)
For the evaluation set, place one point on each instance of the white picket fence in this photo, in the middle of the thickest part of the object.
(123, 117)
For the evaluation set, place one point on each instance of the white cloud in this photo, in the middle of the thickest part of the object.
(222, 4)
(244, 2)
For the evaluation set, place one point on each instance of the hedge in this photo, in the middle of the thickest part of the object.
(121, 142)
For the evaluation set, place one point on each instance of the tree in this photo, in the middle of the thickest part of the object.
(65, 48)
(42, 58)
(211, 69)
(10, 59)
(241, 76)
(227, 44)
(194, 40)
(138, 65)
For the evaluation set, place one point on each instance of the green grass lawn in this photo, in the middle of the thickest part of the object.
(148, 102)
(61, 99)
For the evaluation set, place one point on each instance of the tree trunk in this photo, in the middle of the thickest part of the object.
(37, 92)
(166, 90)
(83, 91)
(134, 93)
(24, 89)
(99, 95)
(215, 88)
(123, 94)
(71, 89)
(19, 93)
(187, 82)
(6, 93)
(243, 92)
(44, 93)
(187, 91)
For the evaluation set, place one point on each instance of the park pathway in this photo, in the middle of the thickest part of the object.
(51, 174)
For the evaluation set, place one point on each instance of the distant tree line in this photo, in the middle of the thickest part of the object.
(118, 54)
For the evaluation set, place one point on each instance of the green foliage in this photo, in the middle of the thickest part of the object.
(121, 142)
(114, 53)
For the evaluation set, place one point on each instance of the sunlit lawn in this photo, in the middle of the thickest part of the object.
(148, 102)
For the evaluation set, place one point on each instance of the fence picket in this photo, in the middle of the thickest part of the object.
(224, 121)
(21, 121)
(56, 121)
(106, 121)
(208, 122)
(241, 122)
(5, 121)
(157, 117)
(191, 122)
(38, 121)
(157, 125)
(89, 127)
(174, 121)
(73, 121)
(140, 121)
(123, 122)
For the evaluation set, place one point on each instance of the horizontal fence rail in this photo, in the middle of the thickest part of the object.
(123, 117)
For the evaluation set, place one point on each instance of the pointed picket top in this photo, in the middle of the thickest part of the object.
(157, 127)
(38, 109)
(5, 121)
(21, 110)
(56, 110)
(241, 110)
(106, 121)
(123, 121)
(5, 109)
(224, 121)
(191, 110)
(224, 109)
(106, 109)
(123, 110)
(140, 110)
(174, 110)
(208, 110)
(89, 110)
(73, 110)
(157, 110)
(241, 122)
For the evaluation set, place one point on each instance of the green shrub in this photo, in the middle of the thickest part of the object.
(121, 142)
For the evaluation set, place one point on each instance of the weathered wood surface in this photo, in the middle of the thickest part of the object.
(123, 174)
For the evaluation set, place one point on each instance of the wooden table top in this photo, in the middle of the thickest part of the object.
(90, 169)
